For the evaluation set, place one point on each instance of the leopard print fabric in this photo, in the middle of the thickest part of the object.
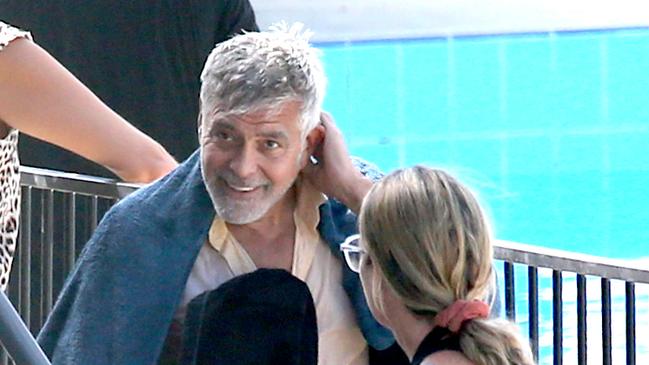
(9, 203)
(9, 180)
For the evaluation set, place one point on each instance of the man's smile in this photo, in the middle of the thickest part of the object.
(243, 189)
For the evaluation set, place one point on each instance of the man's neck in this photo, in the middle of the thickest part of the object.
(274, 223)
(270, 240)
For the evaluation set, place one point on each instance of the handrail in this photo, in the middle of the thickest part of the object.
(75, 183)
(16, 338)
(570, 261)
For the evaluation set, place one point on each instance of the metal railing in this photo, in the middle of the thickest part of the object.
(585, 267)
(16, 337)
(60, 211)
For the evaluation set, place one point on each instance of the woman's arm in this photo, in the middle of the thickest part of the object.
(39, 97)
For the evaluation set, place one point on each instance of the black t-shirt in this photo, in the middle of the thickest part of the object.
(141, 57)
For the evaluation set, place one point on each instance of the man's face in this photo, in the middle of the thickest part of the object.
(250, 161)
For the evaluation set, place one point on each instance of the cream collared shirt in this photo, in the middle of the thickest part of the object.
(340, 341)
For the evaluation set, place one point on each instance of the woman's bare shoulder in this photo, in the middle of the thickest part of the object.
(447, 357)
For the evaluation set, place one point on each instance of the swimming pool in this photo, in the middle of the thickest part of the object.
(551, 129)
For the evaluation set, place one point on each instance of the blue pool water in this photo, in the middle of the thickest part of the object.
(552, 130)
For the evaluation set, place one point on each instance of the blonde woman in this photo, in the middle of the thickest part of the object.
(425, 261)
(41, 98)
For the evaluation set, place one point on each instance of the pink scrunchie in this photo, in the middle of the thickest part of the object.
(459, 312)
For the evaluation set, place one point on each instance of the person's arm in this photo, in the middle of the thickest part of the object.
(335, 174)
(236, 17)
(39, 97)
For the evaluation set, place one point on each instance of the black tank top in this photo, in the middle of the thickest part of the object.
(439, 339)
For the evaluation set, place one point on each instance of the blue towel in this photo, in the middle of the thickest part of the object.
(118, 303)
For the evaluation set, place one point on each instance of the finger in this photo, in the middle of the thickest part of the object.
(329, 124)
(326, 119)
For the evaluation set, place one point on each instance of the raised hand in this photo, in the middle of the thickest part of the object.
(333, 172)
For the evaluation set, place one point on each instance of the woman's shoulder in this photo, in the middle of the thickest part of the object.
(447, 357)
(9, 33)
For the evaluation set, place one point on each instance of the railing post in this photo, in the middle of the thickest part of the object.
(510, 293)
(94, 213)
(582, 339)
(48, 254)
(533, 296)
(630, 322)
(71, 232)
(557, 317)
(607, 358)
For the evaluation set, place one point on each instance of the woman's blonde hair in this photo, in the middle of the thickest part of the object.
(430, 241)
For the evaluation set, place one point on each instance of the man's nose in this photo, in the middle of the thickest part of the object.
(244, 164)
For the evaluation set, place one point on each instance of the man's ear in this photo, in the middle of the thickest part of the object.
(314, 140)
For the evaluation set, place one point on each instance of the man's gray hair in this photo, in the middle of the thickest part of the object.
(261, 70)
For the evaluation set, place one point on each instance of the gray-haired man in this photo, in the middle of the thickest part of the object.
(261, 98)
(250, 199)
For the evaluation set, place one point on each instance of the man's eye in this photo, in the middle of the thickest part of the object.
(223, 136)
(271, 145)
